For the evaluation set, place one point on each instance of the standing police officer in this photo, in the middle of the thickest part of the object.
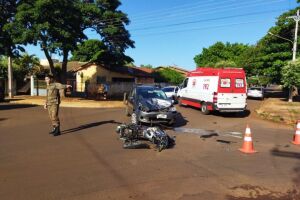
(53, 101)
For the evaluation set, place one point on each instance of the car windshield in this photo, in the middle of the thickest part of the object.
(149, 93)
(168, 89)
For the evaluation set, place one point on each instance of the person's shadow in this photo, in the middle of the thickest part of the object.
(90, 125)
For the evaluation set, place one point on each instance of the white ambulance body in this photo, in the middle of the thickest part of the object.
(211, 89)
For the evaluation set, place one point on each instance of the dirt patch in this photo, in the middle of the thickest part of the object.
(279, 111)
(249, 192)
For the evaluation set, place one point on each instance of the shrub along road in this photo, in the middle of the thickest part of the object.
(88, 162)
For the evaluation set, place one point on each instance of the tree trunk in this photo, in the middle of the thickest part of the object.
(291, 94)
(64, 67)
(51, 65)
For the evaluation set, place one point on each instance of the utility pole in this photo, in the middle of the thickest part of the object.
(297, 19)
(10, 78)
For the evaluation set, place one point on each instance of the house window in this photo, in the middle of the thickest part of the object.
(101, 79)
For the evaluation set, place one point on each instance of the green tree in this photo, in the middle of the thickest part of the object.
(22, 66)
(3, 67)
(291, 77)
(27, 63)
(273, 52)
(90, 51)
(225, 64)
(8, 47)
(169, 76)
(57, 26)
(220, 53)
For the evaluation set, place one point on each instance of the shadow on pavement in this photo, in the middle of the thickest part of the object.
(244, 114)
(179, 122)
(90, 125)
(15, 106)
(286, 154)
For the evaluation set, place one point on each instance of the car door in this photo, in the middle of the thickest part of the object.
(183, 92)
(131, 100)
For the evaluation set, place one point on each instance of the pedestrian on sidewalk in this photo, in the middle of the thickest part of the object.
(53, 101)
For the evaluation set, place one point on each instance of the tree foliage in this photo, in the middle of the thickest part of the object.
(169, 76)
(90, 51)
(57, 26)
(274, 52)
(291, 74)
(22, 66)
(219, 53)
(265, 60)
(8, 47)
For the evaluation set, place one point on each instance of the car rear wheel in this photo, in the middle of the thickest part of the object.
(204, 109)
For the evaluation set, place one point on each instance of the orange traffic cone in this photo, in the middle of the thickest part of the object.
(297, 134)
(248, 144)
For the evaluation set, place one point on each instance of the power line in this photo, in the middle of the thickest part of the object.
(202, 28)
(206, 20)
(215, 10)
(168, 15)
(212, 19)
(211, 11)
(172, 10)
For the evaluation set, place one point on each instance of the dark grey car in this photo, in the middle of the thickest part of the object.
(149, 104)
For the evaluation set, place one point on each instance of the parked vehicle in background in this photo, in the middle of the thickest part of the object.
(210, 89)
(171, 92)
(149, 104)
(2, 95)
(256, 92)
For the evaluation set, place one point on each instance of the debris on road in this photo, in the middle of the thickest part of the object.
(207, 133)
(133, 134)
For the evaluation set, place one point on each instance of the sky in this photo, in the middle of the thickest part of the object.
(172, 32)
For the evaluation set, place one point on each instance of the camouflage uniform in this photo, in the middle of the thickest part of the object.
(53, 101)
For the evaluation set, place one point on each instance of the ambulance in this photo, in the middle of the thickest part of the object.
(212, 89)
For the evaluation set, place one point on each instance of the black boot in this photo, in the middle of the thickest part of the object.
(51, 132)
(56, 131)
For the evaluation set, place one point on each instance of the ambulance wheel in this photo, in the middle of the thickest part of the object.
(204, 109)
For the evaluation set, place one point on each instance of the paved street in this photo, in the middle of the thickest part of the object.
(88, 161)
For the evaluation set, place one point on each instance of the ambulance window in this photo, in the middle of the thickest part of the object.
(239, 83)
(225, 82)
(185, 83)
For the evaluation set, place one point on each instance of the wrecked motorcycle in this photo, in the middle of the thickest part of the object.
(132, 135)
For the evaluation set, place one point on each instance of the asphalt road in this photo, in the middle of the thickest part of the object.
(88, 161)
